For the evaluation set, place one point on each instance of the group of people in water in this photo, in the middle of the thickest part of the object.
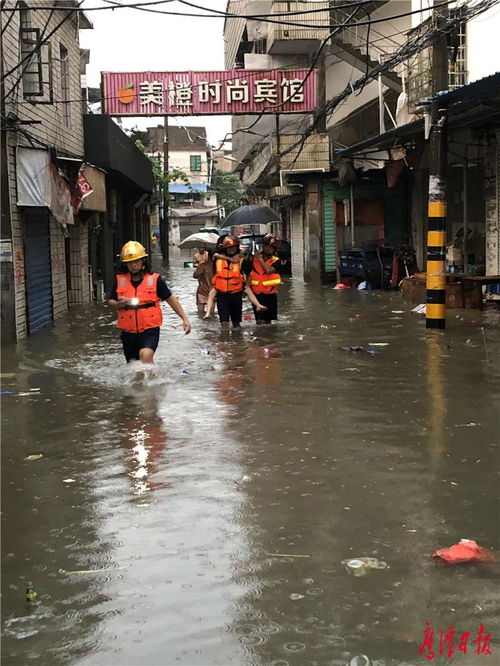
(224, 278)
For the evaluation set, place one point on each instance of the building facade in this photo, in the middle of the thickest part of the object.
(44, 244)
(191, 203)
(359, 176)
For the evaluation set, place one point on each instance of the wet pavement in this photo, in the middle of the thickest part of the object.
(201, 516)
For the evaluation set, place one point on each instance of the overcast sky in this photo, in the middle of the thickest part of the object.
(130, 40)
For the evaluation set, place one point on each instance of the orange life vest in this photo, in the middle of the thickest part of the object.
(262, 283)
(148, 313)
(228, 276)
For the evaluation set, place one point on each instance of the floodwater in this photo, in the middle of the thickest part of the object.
(200, 516)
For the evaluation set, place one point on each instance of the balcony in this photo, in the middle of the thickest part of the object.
(288, 39)
(314, 156)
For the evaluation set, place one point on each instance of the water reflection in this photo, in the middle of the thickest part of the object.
(222, 500)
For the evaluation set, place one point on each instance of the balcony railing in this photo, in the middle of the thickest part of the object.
(314, 154)
(283, 39)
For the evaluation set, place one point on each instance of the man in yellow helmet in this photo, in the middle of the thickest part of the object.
(136, 296)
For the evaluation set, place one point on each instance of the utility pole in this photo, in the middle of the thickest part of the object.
(435, 316)
(164, 232)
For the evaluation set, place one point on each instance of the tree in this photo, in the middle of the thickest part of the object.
(228, 189)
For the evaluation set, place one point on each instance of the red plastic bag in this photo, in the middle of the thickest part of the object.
(465, 551)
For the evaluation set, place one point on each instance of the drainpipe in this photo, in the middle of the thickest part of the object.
(351, 210)
(464, 212)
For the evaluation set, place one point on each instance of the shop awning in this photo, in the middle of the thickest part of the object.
(40, 184)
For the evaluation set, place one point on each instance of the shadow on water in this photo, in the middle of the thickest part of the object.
(205, 508)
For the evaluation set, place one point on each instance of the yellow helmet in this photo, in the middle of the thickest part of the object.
(132, 251)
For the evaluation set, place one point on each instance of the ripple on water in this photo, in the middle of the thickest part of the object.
(294, 647)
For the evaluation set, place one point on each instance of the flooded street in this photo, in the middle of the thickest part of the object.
(201, 517)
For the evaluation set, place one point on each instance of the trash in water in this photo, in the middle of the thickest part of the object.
(360, 660)
(364, 286)
(397, 311)
(467, 550)
(206, 351)
(5, 392)
(323, 326)
(359, 566)
(34, 456)
(247, 317)
(419, 309)
(373, 352)
(185, 372)
(68, 480)
(31, 593)
(340, 285)
(378, 344)
(467, 425)
(352, 348)
(295, 595)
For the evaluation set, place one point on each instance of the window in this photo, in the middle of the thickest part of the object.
(195, 162)
(65, 85)
(37, 66)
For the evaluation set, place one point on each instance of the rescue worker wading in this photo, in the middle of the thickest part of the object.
(265, 279)
(136, 296)
(229, 283)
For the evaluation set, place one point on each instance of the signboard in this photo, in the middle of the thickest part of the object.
(231, 92)
(5, 249)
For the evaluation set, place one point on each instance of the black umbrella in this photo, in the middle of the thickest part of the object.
(250, 215)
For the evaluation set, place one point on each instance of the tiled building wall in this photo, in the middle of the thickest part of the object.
(79, 288)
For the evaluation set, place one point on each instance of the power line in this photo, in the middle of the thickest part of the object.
(262, 17)
(298, 63)
(37, 46)
(419, 43)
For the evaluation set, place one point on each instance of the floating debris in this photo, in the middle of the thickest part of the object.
(359, 566)
(34, 456)
(467, 550)
(68, 480)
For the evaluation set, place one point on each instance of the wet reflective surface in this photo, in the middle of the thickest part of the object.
(201, 516)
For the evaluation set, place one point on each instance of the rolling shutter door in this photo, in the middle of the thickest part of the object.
(329, 231)
(297, 238)
(38, 269)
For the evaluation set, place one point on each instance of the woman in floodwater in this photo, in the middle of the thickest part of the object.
(136, 297)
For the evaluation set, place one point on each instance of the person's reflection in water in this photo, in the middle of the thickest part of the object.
(145, 444)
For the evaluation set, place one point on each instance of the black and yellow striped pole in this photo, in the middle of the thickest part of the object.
(435, 314)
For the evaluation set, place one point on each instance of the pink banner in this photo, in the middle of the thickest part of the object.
(231, 92)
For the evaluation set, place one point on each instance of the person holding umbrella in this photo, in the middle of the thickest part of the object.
(265, 279)
(229, 284)
(136, 297)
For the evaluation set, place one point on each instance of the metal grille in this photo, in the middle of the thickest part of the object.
(457, 71)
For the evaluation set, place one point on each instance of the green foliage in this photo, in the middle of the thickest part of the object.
(228, 188)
